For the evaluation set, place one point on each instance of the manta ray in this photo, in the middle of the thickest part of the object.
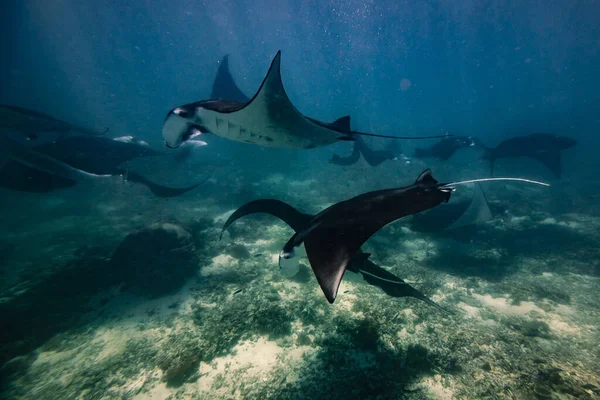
(268, 119)
(543, 147)
(65, 162)
(360, 263)
(31, 122)
(372, 157)
(333, 237)
(445, 148)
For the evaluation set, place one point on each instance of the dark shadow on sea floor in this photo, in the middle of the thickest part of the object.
(150, 263)
(492, 254)
(352, 363)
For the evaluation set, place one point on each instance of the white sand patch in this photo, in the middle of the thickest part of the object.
(276, 179)
(168, 226)
(420, 249)
(306, 182)
(563, 328)
(345, 301)
(406, 231)
(53, 357)
(133, 387)
(114, 341)
(254, 359)
(472, 312)
(260, 243)
(571, 225)
(518, 220)
(502, 305)
(563, 309)
(403, 334)
(219, 265)
(437, 389)
(158, 392)
(547, 274)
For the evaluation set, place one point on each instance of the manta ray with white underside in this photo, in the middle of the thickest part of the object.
(269, 119)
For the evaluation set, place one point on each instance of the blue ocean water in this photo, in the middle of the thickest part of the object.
(89, 311)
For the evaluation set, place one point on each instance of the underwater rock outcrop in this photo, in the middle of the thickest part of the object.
(152, 262)
(157, 260)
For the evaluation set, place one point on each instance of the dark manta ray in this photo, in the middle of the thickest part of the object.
(96, 155)
(269, 119)
(360, 263)
(91, 155)
(445, 148)
(31, 122)
(334, 236)
(372, 157)
(545, 148)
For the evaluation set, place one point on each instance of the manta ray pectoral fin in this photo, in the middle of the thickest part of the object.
(477, 212)
(341, 125)
(328, 258)
(288, 214)
(159, 190)
(426, 177)
(552, 160)
(224, 87)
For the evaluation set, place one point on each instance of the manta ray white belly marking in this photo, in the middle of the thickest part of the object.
(244, 128)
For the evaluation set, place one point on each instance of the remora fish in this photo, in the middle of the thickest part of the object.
(31, 122)
(360, 263)
(269, 119)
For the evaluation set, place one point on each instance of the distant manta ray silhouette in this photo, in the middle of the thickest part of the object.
(65, 162)
(372, 157)
(445, 148)
(543, 147)
(269, 119)
(31, 122)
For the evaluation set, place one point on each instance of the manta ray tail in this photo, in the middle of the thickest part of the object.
(396, 137)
